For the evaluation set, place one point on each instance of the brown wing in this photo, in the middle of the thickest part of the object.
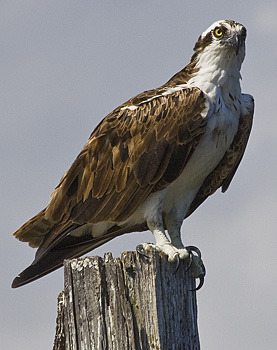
(223, 174)
(134, 151)
(131, 153)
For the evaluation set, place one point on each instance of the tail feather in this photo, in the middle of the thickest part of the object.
(66, 248)
(34, 230)
(55, 257)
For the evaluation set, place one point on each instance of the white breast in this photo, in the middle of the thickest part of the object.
(220, 131)
(217, 139)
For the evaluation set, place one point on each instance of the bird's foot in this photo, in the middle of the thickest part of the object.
(175, 254)
(172, 253)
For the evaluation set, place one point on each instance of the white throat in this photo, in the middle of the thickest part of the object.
(218, 69)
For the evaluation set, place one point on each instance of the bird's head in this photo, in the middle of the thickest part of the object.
(223, 41)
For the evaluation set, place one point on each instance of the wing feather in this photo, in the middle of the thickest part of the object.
(129, 154)
(34, 230)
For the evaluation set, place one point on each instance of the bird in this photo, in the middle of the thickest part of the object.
(152, 161)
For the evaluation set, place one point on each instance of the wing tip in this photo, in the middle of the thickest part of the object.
(30, 274)
(34, 272)
(17, 282)
(22, 279)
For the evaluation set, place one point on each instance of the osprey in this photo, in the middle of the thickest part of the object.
(152, 161)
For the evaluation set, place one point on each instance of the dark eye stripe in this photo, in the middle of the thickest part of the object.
(203, 42)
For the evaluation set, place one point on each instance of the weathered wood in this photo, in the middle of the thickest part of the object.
(59, 341)
(135, 302)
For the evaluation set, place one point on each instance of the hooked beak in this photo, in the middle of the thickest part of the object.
(238, 43)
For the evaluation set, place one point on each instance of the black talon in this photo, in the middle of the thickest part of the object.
(140, 251)
(192, 248)
(201, 282)
(201, 279)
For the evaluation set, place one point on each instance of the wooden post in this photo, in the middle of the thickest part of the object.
(131, 303)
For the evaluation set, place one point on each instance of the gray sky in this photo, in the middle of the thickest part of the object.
(66, 64)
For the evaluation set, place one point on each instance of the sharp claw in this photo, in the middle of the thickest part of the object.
(140, 250)
(200, 285)
(192, 248)
(177, 264)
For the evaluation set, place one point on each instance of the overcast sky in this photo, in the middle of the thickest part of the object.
(65, 65)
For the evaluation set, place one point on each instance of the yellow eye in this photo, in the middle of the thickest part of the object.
(218, 32)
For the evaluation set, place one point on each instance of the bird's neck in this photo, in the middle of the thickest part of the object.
(214, 72)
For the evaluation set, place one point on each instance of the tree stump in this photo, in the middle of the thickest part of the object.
(132, 303)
